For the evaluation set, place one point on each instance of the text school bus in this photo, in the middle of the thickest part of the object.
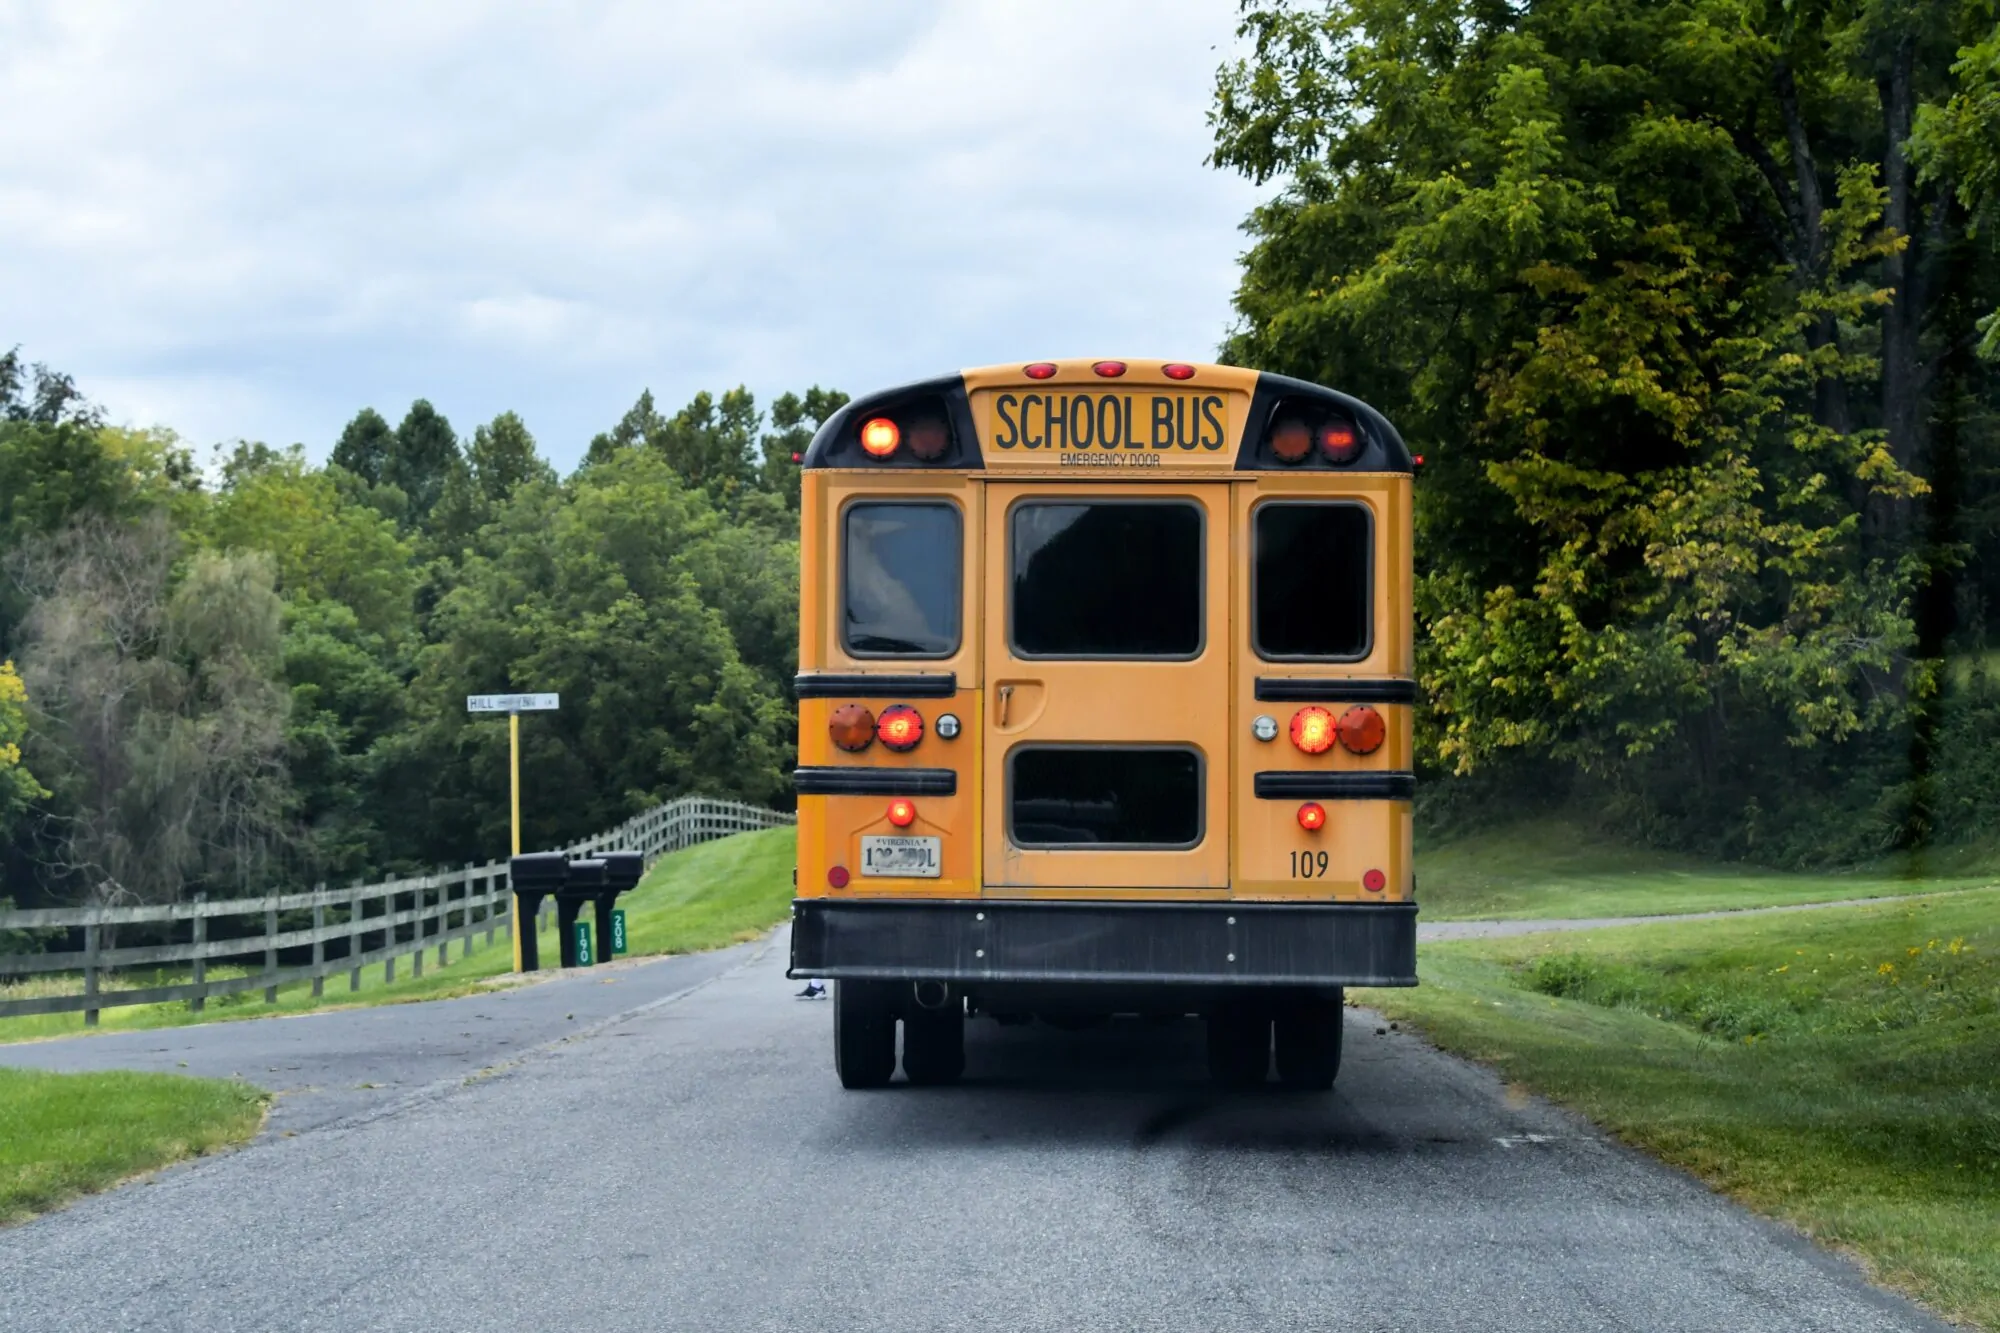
(1105, 694)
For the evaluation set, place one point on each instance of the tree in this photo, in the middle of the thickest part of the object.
(364, 447)
(794, 420)
(157, 717)
(501, 458)
(17, 785)
(421, 457)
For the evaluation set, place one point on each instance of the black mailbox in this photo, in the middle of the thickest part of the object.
(583, 884)
(534, 877)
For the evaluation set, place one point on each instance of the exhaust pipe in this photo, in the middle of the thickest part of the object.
(930, 994)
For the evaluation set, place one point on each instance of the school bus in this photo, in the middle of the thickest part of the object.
(1105, 698)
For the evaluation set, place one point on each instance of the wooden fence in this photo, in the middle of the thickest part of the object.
(351, 928)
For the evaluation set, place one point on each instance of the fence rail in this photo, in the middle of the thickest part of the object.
(366, 923)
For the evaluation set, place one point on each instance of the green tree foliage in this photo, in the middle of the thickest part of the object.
(501, 458)
(421, 457)
(364, 447)
(17, 785)
(1655, 289)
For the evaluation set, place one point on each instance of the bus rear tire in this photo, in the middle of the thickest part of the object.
(934, 1044)
(1308, 1042)
(1239, 1047)
(864, 1034)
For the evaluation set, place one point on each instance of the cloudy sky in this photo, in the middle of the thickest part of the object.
(251, 219)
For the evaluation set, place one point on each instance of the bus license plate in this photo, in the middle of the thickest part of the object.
(905, 858)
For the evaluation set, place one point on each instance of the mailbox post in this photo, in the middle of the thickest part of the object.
(622, 871)
(597, 881)
(586, 880)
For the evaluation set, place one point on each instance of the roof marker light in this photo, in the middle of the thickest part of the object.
(1174, 370)
(1111, 370)
(1041, 370)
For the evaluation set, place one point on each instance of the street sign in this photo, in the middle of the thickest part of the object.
(512, 703)
(583, 958)
(617, 932)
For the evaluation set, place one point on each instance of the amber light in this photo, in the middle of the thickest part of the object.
(1111, 370)
(902, 813)
(1041, 370)
(1177, 371)
(1291, 441)
(852, 727)
(880, 437)
(901, 727)
(1339, 441)
(1312, 816)
(1312, 729)
(1374, 881)
(928, 440)
(1362, 730)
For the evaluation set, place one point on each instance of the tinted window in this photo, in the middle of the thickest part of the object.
(1106, 580)
(900, 580)
(1314, 570)
(1075, 796)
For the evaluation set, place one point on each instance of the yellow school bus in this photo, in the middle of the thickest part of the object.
(1105, 698)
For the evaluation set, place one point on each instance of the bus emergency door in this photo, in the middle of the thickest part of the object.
(1107, 651)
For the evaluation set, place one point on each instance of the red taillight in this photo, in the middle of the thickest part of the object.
(1177, 371)
(798, 458)
(852, 727)
(1339, 441)
(837, 877)
(1111, 370)
(1312, 729)
(1374, 881)
(1312, 816)
(1041, 370)
(902, 813)
(880, 437)
(901, 727)
(1291, 441)
(1362, 730)
(928, 440)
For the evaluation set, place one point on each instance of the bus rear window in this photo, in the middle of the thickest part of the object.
(1087, 796)
(1112, 579)
(900, 584)
(1311, 580)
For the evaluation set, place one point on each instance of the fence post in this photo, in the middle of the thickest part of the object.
(389, 934)
(489, 881)
(319, 939)
(90, 937)
(270, 947)
(200, 1000)
(444, 921)
(417, 929)
(354, 937)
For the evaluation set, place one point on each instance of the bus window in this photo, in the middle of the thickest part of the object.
(1109, 797)
(1312, 572)
(1117, 578)
(900, 586)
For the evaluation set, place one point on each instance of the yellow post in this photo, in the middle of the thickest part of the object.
(514, 794)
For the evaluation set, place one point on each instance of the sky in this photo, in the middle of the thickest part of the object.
(249, 220)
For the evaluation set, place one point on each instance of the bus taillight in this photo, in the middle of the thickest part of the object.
(901, 727)
(1362, 730)
(880, 437)
(852, 727)
(902, 813)
(1312, 729)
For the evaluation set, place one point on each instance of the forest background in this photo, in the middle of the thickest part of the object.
(1689, 306)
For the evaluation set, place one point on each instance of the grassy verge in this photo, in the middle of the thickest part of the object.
(1839, 1069)
(1549, 869)
(70, 1134)
(703, 898)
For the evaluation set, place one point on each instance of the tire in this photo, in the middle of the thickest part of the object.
(864, 1034)
(1239, 1047)
(934, 1044)
(1308, 1040)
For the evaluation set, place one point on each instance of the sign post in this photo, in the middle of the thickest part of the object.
(513, 705)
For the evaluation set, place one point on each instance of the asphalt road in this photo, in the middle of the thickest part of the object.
(696, 1166)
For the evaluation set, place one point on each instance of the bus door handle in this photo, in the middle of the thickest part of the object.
(1006, 694)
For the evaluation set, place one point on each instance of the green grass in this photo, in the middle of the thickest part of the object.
(1549, 869)
(1839, 1069)
(70, 1134)
(711, 895)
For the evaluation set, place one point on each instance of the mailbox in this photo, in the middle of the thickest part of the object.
(534, 877)
(585, 882)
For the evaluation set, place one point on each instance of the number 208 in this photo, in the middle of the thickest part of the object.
(1308, 865)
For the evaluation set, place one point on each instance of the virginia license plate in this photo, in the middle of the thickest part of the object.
(905, 858)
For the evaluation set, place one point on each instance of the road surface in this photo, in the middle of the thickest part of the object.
(694, 1165)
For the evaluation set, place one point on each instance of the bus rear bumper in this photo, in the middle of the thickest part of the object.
(1204, 944)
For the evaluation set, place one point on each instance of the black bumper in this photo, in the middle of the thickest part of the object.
(1201, 944)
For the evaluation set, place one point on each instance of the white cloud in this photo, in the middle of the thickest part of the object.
(258, 218)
